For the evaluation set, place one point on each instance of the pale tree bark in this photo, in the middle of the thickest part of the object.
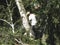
(22, 12)
(10, 14)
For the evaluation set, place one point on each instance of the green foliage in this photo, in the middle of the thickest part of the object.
(48, 17)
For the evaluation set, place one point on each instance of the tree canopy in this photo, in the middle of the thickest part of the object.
(47, 28)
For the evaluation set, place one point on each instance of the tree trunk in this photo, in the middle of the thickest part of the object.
(23, 15)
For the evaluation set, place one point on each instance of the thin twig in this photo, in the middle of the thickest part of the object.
(7, 3)
(17, 22)
(19, 41)
(5, 21)
(12, 25)
(13, 8)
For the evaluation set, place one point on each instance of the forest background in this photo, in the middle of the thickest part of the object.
(12, 28)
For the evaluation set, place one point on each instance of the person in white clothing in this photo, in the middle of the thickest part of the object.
(32, 20)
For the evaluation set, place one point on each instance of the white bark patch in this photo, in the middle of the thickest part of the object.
(23, 14)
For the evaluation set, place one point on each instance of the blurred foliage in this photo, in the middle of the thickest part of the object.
(48, 17)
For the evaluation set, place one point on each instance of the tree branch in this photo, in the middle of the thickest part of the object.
(12, 25)
(17, 21)
(5, 21)
(20, 42)
(10, 14)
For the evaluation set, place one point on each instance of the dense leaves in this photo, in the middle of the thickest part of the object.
(48, 17)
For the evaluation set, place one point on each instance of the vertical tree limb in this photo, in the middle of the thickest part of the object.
(10, 14)
(22, 12)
